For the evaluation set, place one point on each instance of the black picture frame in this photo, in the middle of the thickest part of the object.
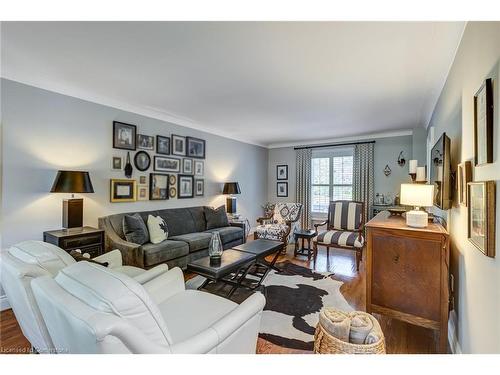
(195, 147)
(165, 169)
(185, 166)
(486, 89)
(199, 182)
(158, 193)
(183, 178)
(163, 145)
(279, 168)
(145, 142)
(119, 141)
(280, 194)
(142, 161)
(175, 142)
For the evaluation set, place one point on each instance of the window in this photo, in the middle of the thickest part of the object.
(331, 178)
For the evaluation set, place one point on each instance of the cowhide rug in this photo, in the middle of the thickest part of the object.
(294, 298)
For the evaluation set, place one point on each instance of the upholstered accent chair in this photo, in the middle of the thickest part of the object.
(29, 260)
(91, 309)
(344, 228)
(278, 226)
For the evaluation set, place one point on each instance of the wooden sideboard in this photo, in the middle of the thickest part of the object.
(407, 273)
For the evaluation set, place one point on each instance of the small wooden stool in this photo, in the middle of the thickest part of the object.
(304, 234)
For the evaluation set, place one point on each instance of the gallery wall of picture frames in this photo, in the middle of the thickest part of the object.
(165, 166)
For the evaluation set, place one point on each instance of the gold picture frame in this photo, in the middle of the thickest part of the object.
(481, 221)
(122, 190)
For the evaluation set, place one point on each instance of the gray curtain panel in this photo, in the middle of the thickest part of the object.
(363, 175)
(303, 185)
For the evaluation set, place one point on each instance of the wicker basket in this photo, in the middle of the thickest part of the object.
(324, 343)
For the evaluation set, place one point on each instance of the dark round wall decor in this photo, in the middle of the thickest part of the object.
(142, 161)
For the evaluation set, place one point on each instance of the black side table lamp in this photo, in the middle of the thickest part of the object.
(72, 182)
(231, 188)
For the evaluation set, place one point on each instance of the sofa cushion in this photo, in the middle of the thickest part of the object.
(134, 229)
(179, 221)
(216, 218)
(228, 234)
(163, 251)
(196, 241)
(158, 229)
(340, 237)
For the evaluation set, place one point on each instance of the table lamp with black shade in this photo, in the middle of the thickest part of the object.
(231, 188)
(72, 182)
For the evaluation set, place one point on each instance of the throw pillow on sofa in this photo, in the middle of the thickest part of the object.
(216, 218)
(158, 230)
(135, 229)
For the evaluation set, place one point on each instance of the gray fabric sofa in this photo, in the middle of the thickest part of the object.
(188, 238)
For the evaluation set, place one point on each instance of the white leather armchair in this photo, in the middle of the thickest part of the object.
(91, 309)
(31, 259)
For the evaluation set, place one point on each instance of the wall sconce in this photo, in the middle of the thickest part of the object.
(401, 159)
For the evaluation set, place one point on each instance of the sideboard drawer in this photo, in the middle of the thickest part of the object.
(76, 242)
(406, 274)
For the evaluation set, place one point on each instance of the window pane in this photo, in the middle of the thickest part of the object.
(321, 171)
(342, 192)
(320, 198)
(342, 170)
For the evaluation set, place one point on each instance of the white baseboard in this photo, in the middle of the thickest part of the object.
(452, 336)
(4, 303)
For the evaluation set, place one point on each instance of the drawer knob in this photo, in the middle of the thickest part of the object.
(396, 258)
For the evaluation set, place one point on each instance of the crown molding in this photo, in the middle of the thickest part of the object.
(395, 133)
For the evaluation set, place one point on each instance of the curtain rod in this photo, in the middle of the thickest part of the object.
(333, 144)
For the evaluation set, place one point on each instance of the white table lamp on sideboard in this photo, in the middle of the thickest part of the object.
(417, 195)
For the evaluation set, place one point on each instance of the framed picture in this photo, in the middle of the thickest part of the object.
(172, 192)
(282, 189)
(142, 161)
(178, 145)
(143, 180)
(117, 163)
(282, 172)
(122, 190)
(464, 176)
(185, 186)
(158, 186)
(146, 142)
(199, 187)
(124, 136)
(142, 193)
(187, 166)
(195, 147)
(164, 164)
(483, 124)
(162, 145)
(199, 168)
(172, 179)
(481, 221)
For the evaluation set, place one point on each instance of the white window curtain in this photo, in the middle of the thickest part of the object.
(303, 184)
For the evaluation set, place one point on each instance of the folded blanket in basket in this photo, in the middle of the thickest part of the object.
(361, 326)
(336, 322)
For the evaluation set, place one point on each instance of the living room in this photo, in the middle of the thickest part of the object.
(263, 187)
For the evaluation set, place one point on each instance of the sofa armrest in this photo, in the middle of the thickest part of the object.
(113, 258)
(165, 285)
(151, 274)
(261, 220)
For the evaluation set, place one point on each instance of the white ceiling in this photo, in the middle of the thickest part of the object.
(266, 83)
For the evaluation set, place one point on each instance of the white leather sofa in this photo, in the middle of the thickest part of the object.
(31, 259)
(91, 309)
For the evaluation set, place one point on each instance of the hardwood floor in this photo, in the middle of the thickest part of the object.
(400, 337)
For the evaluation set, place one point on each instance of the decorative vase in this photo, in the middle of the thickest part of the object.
(215, 248)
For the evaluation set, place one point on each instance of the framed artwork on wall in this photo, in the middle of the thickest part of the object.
(199, 187)
(187, 166)
(178, 145)
(483, 124)
(142, 193)
(146, 142)
(185, 186)
(124, 136)
(464, 176)
(162, 145)
(158, 186)
(282, 172)
(172, 180)
(195, 147)
(122, 190)
(142, 161)
(117, 163)
(172, 192)
(166, 164)
(143, 180)
(199, 168)
(481, 212)
(282, 189)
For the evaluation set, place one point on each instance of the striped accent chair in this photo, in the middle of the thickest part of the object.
(278, 225)
(344, 226)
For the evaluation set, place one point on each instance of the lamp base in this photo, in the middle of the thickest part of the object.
(72, 213)
(417, 219)
(231, 205)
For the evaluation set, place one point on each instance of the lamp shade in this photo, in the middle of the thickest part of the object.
(420, 195)
(231, 188)
(72, 182)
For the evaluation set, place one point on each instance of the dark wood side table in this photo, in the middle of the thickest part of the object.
(304, 234)
(87, 239)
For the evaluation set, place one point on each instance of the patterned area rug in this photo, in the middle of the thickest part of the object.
(294, 298)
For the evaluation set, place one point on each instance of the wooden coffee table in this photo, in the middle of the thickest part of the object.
(237, 263)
